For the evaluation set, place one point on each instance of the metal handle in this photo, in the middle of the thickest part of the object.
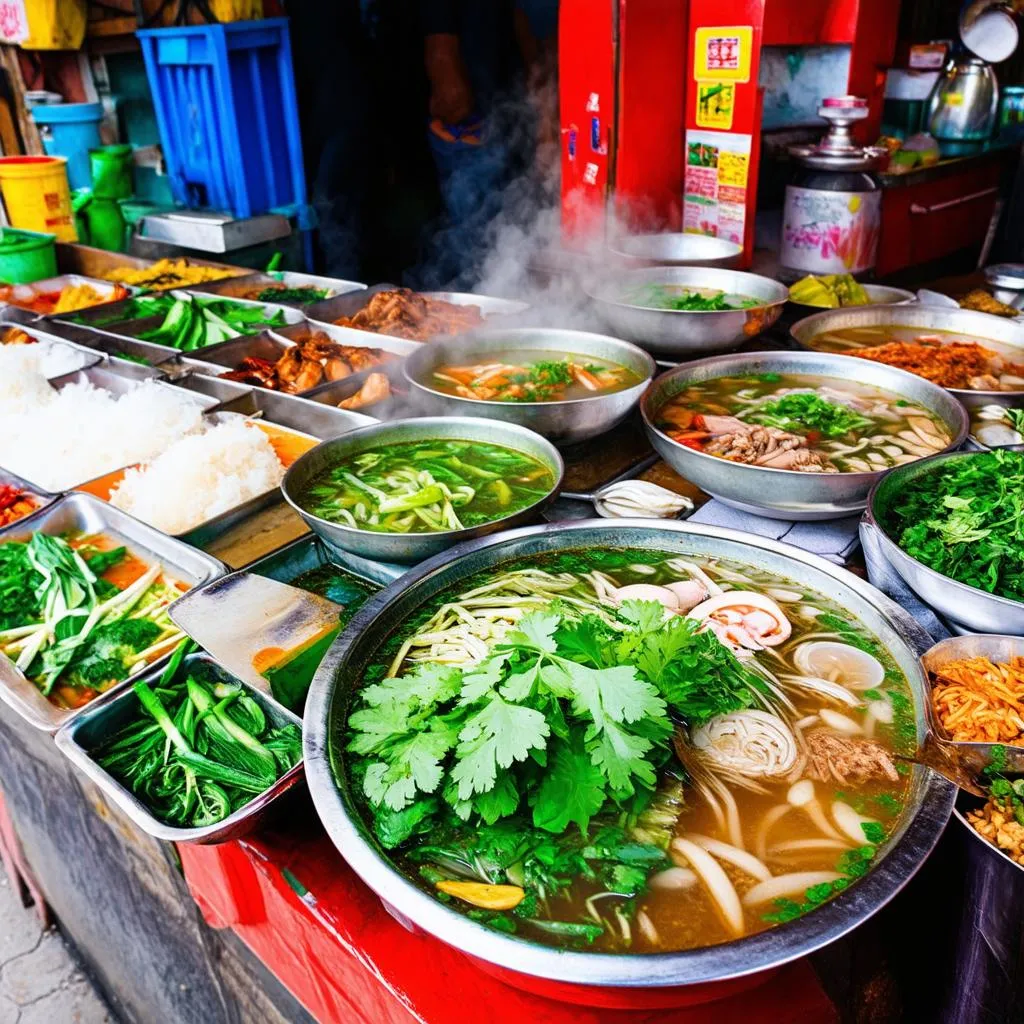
(917, 208)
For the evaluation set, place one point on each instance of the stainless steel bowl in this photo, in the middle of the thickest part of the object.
(670, 332)
(562, 423)
(982, 327)
(878, 295)
(677, 249)
(340, 675)
(407, 548)
(976, 610)
(786, 493)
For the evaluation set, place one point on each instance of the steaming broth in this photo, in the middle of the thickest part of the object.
(427, 486)
(798, 777)
(532, 376)
(802, 422)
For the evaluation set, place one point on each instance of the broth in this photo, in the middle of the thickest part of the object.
(682, 298)
(797, 780)
(532, 376)
(427, 486)
(943, 357)
(802, 422)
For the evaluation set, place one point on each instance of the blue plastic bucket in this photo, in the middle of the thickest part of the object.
(70, 130)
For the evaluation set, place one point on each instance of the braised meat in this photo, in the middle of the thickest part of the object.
(375, 388)
(767, 446)
(403, 313)
(843, 759)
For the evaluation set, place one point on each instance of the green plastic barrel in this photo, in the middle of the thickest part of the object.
(26, 256)
(111, 168)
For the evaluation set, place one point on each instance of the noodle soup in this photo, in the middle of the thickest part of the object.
(631, 751)
(801, 422)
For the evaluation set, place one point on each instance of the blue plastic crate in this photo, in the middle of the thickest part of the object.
(228, 118)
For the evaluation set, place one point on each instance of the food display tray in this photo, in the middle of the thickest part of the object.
(334, 391)
(109, 714)
(87, 514)
(233, 287)
(113, 345)
(309, 552)
(43, 498)
(347, 336)
(88, 357)
(50, 285)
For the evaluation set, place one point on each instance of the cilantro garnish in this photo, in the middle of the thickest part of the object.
(803, 411)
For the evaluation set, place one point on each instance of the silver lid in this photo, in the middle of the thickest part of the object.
(837, 150)
(1006, 275)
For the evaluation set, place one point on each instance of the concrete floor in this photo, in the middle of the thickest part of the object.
(40, 983)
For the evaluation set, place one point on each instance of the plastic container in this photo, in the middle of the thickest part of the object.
(225, 104)
(111, 171)
(71, 130)
(26, 256)
(36, 194)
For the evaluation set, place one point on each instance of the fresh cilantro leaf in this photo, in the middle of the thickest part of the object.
(536, 632)
(873, 832)
(416, 765)
(644, 616)
(573, 790)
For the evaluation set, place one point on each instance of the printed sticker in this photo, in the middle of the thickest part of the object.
(594, 103)
(723, 54)
(715, 103)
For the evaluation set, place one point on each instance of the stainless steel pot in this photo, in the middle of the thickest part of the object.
(340, 675)
(406, 548)
(562, 423)
(975, 610)
(671, 332)
(785, 493)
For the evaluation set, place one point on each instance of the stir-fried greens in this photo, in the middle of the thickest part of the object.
(300, 296)
(427, 486)
(682, 299)
(72, 631)
(136, 308)
(196, 323)
(199, 748)
(964, 518)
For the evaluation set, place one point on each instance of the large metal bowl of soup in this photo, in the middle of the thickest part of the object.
(677, 249)
(700, 965)
(409, 547)
(783, 493)
(974, 610)
(845, 331)
(622, 302)
(592, 404)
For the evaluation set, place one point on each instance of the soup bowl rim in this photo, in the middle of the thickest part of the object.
(903, 853)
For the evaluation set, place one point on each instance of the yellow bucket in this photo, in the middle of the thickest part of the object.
(36, 194)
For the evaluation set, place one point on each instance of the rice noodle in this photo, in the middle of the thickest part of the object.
(787, 885)
(733, 854)
(673, 878)
(717, 883)
(805, 846)
(768, 822)
(746, 745)
(850, 822)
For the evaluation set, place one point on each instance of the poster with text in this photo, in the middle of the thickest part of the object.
(715, 187)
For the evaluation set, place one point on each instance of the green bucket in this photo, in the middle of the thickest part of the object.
(26, 256)
(111, 168)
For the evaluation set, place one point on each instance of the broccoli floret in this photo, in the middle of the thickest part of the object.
(111, 650)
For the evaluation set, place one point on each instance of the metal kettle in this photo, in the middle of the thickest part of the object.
(964, 102)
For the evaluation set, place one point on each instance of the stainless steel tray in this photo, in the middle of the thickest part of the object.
(348, 336)
(310, 552)
(105, 343)
(107, 716)
(84, 356)
(42, 498)
(334, 391)
(233, 287)
(87, 514)
(49, 285)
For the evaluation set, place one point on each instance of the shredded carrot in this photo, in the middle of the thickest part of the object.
(977, 701)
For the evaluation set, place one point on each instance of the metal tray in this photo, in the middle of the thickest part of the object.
(323, 314)
(107, 716)
(43, 498)
(310, 552)
(86, 357)
(73, 258)
(334, 391)
(87, 514)
(49, 285)
(347, 336)
(232, 287)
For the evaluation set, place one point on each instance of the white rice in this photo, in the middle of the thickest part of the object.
(63, 439)
(23, 384)
(201, 476)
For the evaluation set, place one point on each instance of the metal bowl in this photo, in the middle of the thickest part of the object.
(677, 249)
(562, 423)
(407, 548)
(976, 610)
(671, 332)
(878, 295)
(340, 675)
(786, 493)
(983, 327)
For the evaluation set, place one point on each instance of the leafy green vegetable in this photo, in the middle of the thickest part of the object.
(852, 864)
(802, 412)
(1015, 417)
(964, 518)
(194, 323)
(663, 296)
(199, 748)
(299, 296)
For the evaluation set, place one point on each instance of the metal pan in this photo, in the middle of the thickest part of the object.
(85, 514)
(677, 249)
(991, 434)
(336, 391)
(43, 499)
(68, 355)
(237, 287)
(347, 336)
(52, 285)
(108, 716)
(114, 345)
(310, 552)
(86, 259)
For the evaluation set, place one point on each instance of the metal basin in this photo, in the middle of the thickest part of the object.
(786, 493)
(982, 327)
(677, 249)
(976, 610)
(407, 548)
(586, 976)
(562, 423)
(670, 332)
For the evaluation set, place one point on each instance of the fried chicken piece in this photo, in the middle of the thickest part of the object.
(310, 374)
(844, 759)
(375, 388)
(336, 368)
(252, 370)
